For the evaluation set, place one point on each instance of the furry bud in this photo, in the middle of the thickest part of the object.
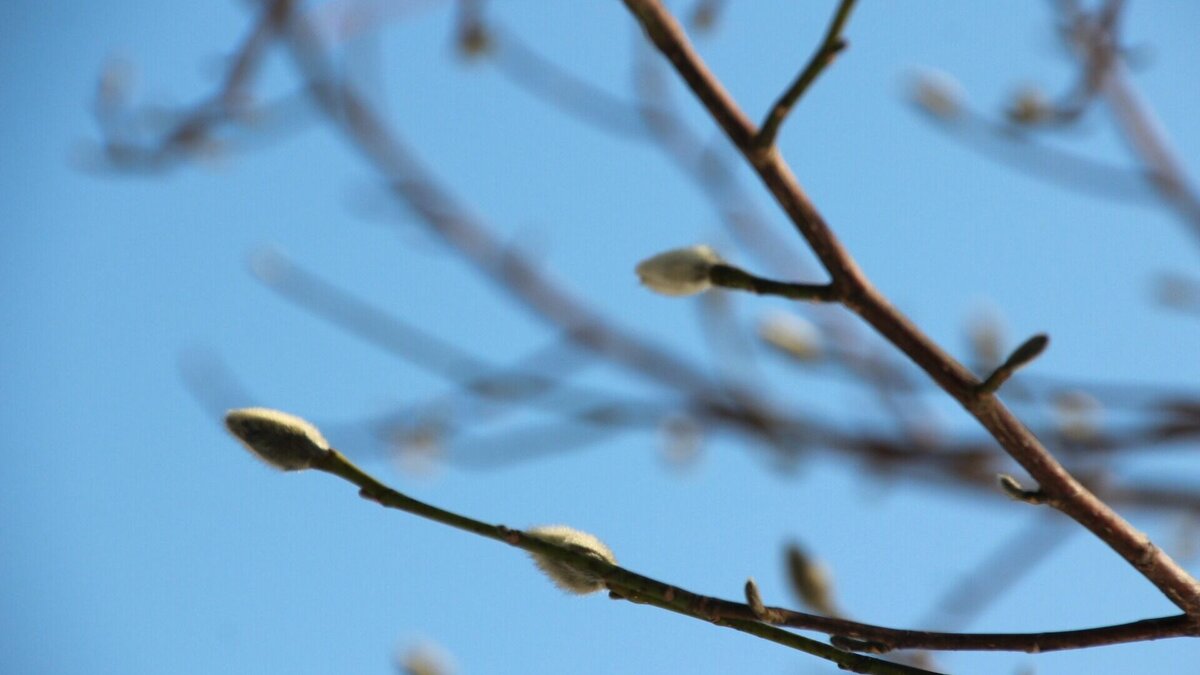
(284, 441)
(564, 575)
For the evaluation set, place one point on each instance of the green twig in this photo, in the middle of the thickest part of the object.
(728, 276)
(830, 47)
(621, 582)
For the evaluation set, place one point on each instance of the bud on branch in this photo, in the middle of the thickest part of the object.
(284, 441)
(564, 575)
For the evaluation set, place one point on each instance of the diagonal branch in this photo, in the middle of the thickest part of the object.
(861, 297)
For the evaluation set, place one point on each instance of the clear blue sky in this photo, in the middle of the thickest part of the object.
(138, 537)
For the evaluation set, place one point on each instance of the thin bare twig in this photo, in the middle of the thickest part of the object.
(830, 47)
(1021, 356)
(622, 583)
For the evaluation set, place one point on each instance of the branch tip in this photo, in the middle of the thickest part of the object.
(1013, 489)
(1020, 357)
(830, 47)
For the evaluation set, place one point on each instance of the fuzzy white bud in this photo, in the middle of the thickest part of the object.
(564, 575)
(682, 271)
(284, 441)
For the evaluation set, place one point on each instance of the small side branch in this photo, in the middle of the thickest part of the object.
(728, 276)
(831, 46)
(1013, 489)
(1021, 356)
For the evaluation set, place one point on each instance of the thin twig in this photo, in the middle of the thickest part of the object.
(1020, 357)
(830, 47)
(622, 583)
(746, 617)
(728, 276)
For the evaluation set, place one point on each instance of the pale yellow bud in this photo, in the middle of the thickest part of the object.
(810, 580)
(682, 271)
(564, 575)
(284, 441)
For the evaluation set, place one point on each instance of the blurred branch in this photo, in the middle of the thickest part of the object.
(193, 131)
(995, 575)
(1015, 147)
(1095, 40)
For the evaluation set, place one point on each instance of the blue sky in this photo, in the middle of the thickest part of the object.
(140, 539)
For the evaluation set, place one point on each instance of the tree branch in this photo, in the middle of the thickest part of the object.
(1021, 356)
(861, 297)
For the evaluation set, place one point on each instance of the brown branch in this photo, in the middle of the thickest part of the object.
(1011, 560)
(1021, 356)
(861, 297)
(728, 276)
